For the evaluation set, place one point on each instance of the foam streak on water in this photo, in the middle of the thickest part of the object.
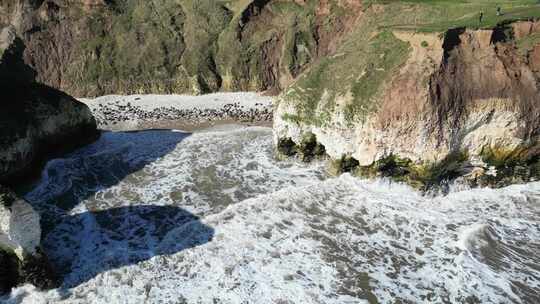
(163, 217)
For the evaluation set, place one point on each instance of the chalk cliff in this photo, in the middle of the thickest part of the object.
(461, 102)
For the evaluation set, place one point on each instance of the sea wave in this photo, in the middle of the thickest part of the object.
(212, 217)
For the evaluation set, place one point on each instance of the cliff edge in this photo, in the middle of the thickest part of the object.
(86, 47)
(423, 107)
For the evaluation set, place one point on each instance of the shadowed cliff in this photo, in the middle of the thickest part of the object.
(36, 121)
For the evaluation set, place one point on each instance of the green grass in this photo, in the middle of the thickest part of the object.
(351, 81)
(440, 15)
(198, 46)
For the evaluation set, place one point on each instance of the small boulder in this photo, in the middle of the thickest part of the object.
(21, 258)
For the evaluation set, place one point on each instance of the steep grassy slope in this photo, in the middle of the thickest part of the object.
(137, 46)
(94, 47)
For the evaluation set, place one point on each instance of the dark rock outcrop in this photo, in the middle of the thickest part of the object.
(36, 122)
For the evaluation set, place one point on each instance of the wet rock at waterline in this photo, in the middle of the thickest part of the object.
(36, 123)
(21, 257)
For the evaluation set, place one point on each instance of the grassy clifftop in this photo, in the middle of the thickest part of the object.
(441, 15)
(197, 46)
(352, 79)
(421, 91)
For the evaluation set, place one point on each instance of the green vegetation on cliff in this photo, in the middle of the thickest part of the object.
(441, 15)
(189, 46)
(129, 49)
(425, 101)
(351, 80)
(308, 149)
(170, 46)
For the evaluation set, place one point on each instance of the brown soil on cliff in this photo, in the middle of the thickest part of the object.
(446, 80)
(87, 48)
(480, 66)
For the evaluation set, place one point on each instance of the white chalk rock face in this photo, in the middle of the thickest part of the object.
(21, 258)
(424, 112)
(20, 230)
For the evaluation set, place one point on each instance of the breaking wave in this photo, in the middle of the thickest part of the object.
(212, 217)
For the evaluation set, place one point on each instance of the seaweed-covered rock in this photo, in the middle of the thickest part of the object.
(309, 148)
(345, 164)
(286, 147)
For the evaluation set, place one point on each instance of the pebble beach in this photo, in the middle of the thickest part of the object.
(137, 112)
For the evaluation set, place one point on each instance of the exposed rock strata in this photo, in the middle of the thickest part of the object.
(470, 92)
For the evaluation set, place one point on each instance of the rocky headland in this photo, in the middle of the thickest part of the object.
(408, 87)
(37, 122)
(460, 104)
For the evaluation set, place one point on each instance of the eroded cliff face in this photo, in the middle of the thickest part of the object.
(469, 96)
(98, 47)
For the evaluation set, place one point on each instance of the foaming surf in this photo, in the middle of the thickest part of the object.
(212, 217)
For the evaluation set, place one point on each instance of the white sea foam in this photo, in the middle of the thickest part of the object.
(263, 231)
